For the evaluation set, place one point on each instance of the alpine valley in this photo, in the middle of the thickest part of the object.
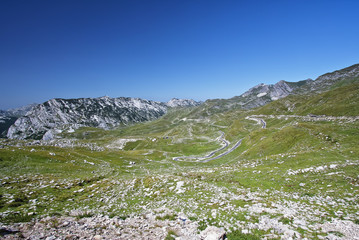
(279, 161)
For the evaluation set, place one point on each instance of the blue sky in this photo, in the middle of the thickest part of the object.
(157, 50)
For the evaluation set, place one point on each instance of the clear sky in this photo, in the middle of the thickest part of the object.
(157, 50)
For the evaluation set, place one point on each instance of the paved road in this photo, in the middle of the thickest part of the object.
(220, 149)
(208, 158)
(225, 153)
(258, 120)
(211, 153)
(264, 124)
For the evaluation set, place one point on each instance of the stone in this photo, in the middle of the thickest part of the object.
(51, 238)
(213, 233)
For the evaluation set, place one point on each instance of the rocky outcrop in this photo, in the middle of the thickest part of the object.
(57, 115)
(262, 94)
(175, 102)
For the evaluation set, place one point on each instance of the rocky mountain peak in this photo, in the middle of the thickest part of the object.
(261, 94)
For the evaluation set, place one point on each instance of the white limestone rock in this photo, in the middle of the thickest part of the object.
(103, 112)
(213, 233)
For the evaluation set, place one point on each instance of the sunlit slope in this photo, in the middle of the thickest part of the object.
(342, 101)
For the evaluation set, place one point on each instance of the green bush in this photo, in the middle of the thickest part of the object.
(16, 218)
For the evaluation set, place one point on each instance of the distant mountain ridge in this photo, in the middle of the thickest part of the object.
(17, 112)
(263, 94)
(21, 111)
(8, 117)
(56, 115)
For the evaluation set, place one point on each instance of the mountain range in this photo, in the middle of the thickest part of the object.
(44, 121)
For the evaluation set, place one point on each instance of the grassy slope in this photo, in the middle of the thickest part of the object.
(342, 101)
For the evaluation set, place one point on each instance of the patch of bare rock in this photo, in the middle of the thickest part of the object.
(104, 227)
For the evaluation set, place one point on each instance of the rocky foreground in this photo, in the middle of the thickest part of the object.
(150, 226)
(103, 227)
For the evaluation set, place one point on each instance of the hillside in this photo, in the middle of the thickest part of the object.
(341, 101)
(285, 170)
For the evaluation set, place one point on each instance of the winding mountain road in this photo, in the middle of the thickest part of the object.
(264, 124)
(209, 157)
(225, 153)
(220, 138)
(258, 120)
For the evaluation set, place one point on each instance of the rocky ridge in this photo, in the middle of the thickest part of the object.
(46, 120)
(262, 94)
(326, 81)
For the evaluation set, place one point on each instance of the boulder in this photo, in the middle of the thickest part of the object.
(213, 233)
